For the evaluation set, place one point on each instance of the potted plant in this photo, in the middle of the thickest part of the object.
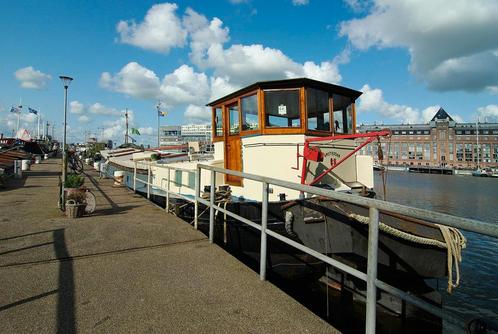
(73, 183)
(154, 157)
(76, 204)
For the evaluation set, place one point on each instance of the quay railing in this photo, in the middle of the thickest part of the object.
(375, 206)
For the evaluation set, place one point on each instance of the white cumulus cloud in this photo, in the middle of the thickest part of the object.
(488, 113)
(231, 66)
(84, 119)
(160, 30)
(76, 107)
(100, 109)
(300, 2)
(185, 86)
(198, 114)
(31, 78)
(133, 80)
(453, 46)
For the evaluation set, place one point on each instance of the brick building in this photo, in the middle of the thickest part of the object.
(440, 143)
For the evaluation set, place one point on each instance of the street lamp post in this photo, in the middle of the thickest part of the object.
(65, 82)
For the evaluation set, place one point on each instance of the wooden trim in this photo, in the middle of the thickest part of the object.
(227, 107)
(302, 109)
(320, 133)
(283, 130)
(251, 132)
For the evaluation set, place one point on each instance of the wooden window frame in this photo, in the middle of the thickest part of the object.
(244, 133)
(227, 122)
(216, 138)
(319, 133)
(285, 130)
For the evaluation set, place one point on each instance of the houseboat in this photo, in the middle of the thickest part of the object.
(304, 131)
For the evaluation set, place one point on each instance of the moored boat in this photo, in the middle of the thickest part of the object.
(300, 130)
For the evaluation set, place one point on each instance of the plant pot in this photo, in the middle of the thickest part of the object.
(74, 210)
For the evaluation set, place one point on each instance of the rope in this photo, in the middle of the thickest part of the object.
(454, 242)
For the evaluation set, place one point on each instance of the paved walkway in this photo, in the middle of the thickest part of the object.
(128, 268)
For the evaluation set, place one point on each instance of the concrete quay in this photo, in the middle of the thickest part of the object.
(127, 268)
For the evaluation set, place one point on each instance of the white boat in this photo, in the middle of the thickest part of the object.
(297, 130)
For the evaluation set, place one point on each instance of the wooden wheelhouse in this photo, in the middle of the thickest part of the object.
(303, 107)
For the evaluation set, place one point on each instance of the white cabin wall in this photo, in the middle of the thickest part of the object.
(271, 161)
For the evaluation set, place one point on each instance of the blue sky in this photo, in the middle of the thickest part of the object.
(407, 57)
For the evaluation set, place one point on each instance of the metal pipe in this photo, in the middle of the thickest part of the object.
(440, 218)
(264, 222)
(373, 241)
(231, 214)
(211, 208)
(197, 195)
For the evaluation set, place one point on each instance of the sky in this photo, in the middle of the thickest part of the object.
(407, 57)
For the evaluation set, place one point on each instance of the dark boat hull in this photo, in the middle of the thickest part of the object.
(324, 226)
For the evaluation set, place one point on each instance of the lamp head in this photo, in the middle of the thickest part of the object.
(65, 80)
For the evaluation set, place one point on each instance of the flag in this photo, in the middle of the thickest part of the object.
(135, 131)
(14, 109)
(162, 113)
(33, 111)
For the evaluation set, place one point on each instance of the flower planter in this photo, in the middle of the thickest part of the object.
(74, 210)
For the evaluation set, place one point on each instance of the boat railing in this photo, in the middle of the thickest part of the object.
(167, 180)
(375, 206)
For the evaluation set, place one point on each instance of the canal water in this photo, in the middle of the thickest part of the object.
(465, 196)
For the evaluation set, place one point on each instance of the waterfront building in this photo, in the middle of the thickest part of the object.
(440, 143)
(196, 132)
(170, 135)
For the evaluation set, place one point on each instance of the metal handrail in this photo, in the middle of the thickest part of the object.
(373, 230)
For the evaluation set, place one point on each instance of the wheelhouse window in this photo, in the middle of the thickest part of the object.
(317, 102)
(282, 108)
(249, 106)
(218, 122)
(343, 114)
(233, 117)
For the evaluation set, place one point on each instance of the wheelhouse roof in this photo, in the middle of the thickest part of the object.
(290, 83)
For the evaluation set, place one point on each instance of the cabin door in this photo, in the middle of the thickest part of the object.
(233, 147)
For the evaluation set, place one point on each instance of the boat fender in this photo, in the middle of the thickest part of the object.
(289, 219)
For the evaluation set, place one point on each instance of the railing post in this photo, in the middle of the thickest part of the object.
(211, 208)
(148, 182)
(167, 190)
(134, 176)
(264, 221)
(373, 241)
(197, 195)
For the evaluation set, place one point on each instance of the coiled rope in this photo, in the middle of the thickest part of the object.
(454, 242)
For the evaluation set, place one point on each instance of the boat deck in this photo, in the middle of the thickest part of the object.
(129, 267)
